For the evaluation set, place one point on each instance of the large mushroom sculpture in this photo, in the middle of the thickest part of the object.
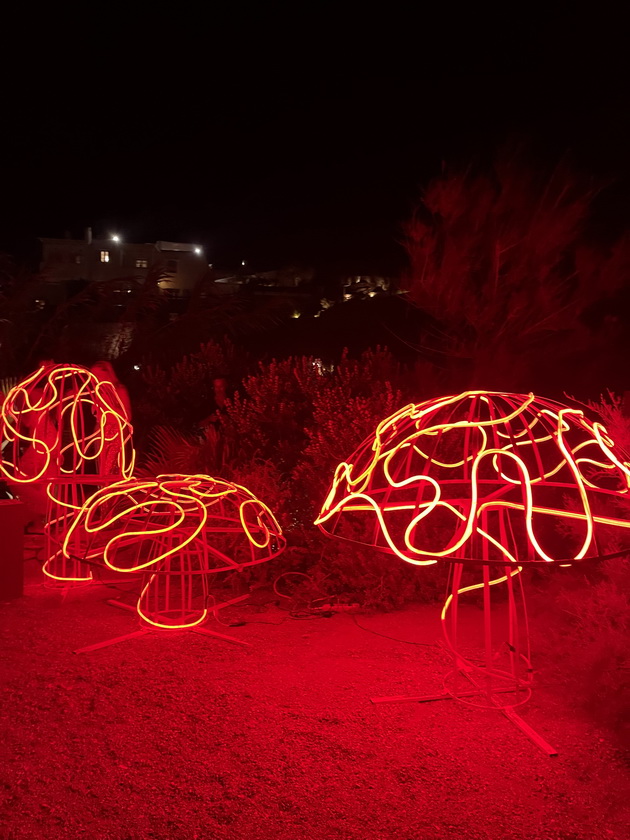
(177, 530)
(66, 431)
(482, 480)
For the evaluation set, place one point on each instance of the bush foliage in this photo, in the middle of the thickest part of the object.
(281, 434)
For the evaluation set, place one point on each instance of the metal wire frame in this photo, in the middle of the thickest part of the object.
(481, 480)
(500, 664)
(178, 530)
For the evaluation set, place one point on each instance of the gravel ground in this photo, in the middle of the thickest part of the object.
(183, 737)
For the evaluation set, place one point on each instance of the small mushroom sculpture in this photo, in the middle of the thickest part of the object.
(178, 530)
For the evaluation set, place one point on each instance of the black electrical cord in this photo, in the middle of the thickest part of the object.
(393, 638)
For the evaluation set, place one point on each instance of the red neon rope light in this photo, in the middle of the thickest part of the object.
(158, 525)
(476, 453)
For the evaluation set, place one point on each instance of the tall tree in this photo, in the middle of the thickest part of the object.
(521, 294)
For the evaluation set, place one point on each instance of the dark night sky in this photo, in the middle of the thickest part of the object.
(289, 145)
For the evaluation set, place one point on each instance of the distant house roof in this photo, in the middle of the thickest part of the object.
(165, 245)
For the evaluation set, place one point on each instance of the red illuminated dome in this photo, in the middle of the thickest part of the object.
(178, 529)
(65, 431)
(63, 420)
(480, 476)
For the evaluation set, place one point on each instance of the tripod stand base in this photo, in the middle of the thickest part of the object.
(143, 631)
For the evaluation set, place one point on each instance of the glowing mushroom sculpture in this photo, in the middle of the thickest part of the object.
(177, 530)
(67, 431)
(481, 480)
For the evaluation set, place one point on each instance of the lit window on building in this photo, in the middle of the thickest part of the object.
(142, 263)
(104, 256)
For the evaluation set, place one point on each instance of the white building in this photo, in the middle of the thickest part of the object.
(95, 260)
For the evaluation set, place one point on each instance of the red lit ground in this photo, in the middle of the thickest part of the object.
(182, 737)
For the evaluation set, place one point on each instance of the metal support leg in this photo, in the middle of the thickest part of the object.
(510, 714)
(203, 632)
(114, 641)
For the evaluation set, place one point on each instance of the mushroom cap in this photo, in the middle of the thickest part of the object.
(481, 476)
(61, 421)
(136, 523)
